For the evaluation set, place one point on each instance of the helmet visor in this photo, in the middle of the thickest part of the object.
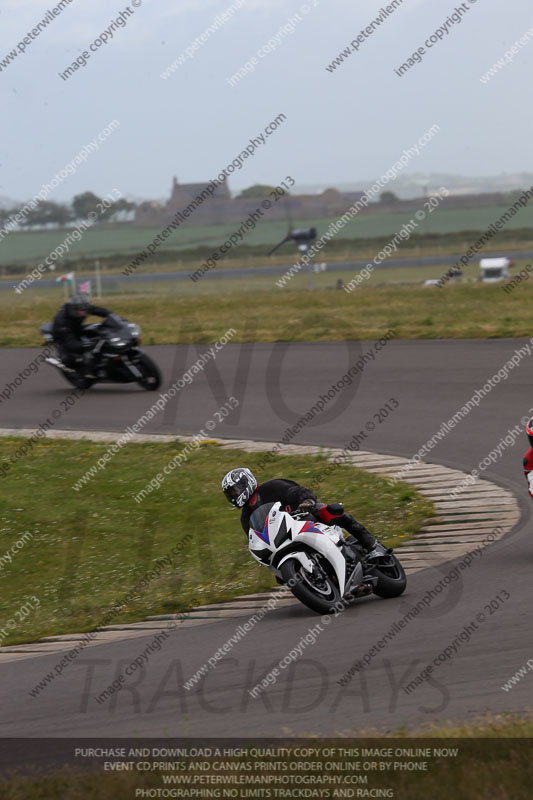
(233, 493)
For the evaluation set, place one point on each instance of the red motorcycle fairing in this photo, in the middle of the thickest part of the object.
(528, 467)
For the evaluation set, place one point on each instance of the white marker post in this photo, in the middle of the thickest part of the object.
(98, 278)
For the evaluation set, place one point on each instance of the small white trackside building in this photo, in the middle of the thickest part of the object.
(494, 269)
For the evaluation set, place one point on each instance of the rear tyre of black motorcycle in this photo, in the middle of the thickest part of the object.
(294, 576)
(392, 579)
(151, 379)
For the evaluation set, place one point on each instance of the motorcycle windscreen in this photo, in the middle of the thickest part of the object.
(114, 326)
(258, 520)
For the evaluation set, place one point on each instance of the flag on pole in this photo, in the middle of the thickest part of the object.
(85, 287)
(68, 278)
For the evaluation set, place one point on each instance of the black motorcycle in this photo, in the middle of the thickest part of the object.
(115, 356)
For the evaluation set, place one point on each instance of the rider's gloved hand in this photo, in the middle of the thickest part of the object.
(306, 506)
(337, 509)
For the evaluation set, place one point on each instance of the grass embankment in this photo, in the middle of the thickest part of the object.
(90, 548)
(462, 311)
(483, 769)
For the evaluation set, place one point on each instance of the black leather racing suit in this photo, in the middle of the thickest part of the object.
(67, 331)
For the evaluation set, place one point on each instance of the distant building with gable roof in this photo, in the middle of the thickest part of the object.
(217, 206)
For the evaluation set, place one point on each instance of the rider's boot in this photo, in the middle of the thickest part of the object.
(89, 365)
(359, 535)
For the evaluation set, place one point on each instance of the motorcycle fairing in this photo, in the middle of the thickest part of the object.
(269, 520)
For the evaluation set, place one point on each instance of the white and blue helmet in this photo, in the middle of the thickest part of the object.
(239, 485)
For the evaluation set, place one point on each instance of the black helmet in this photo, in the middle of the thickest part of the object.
(239, 485)
(529, 431)
(78, 306)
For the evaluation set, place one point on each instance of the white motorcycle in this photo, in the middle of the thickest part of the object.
(315, 562)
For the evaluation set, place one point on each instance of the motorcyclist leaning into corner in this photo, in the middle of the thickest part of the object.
(67, 330)
(242, 491)
(528, 458)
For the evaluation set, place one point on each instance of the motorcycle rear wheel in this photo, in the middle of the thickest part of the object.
(391, 576)
(318, 591)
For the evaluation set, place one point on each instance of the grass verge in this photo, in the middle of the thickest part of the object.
(457, 312)
(89, 548)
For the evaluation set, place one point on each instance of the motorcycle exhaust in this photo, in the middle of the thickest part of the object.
(362, 590)
(55, 362)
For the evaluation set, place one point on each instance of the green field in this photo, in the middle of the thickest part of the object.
(30, 247)
(89, 548)
(170, 315)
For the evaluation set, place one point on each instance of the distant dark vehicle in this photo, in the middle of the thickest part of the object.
(115, 356)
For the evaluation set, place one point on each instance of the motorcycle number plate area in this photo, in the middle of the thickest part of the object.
(335, 533)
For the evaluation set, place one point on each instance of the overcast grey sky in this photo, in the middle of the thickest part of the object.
(342, 126)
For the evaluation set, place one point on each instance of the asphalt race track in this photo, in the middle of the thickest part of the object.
(276, 384)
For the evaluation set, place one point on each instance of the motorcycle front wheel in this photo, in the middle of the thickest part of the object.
(151, 376)
(78, 381)
(317, 590)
